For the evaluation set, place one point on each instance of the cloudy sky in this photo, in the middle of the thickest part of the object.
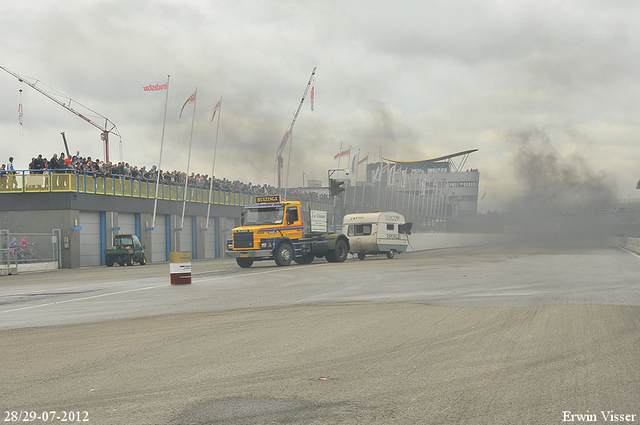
(557, 79)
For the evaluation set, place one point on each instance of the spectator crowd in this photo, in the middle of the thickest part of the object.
(96, 168)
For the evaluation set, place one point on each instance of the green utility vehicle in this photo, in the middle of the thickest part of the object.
(127, 250)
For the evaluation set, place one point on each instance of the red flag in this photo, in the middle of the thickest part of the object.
(343, 153)
(313, 96)
(215, 109)
(286, 136)
(191, 99)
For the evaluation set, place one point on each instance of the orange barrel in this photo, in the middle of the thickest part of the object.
(180, 267)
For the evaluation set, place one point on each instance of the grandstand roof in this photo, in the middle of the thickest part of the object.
(442, 163)
(436, 159)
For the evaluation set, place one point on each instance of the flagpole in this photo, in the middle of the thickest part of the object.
(186, 180)
(379, 181)
(364, 187)
(164, 121)
(20, 112)
(215, 148)
(404, 187)
(386, 188)
(355, 179)
(286, 179)
(339, 158)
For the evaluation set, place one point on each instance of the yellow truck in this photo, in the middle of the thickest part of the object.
(275, 229)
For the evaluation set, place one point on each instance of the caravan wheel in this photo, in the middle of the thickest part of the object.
(390, 254)
(361, 255)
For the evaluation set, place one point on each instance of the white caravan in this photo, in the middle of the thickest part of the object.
(376, 233)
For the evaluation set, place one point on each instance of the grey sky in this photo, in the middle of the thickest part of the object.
(418, 79)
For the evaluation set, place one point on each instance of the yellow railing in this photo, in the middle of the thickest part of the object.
(24, 182)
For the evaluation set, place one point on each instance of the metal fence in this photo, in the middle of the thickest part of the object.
(25, 248)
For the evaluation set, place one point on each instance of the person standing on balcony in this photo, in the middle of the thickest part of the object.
(53, 166)
(12, 183)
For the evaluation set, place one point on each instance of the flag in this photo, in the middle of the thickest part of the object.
(20, 113)
(366, 158)
(286, 136)
(313, 95)
(343, 153)
(392, 175)
(191, 99)
(215, 109)
(156, 87)
(485, 192)
(376, 177)
(404, 179)
(354, 164)
(385, 167)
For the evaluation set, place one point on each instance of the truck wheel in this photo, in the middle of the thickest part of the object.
(244, 262)
(390, 254)
(130, 261)
(109, 263)
(341, 251)
(305, 259)
(283, 254)
(143, 260)
(361, 255)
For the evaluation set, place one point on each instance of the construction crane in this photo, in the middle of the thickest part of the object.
(287, 134)
(106, 129)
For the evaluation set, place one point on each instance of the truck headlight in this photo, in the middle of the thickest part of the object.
(266, 245)
(230, 246)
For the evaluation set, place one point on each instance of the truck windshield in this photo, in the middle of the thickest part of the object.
(263, 215)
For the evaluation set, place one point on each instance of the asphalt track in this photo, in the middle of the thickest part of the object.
(501, 334)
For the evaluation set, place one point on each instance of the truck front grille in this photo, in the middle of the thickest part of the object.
(242, 240)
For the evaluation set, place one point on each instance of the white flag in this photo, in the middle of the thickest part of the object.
(156, 87)
(354, 164)
(191, 99)
(215, 109)
(376, 177)
(392, 175)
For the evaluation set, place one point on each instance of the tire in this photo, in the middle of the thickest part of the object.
(339, 253)
(361, 256)
(130, 261)
(109, 263)
(143, 260)
(390, 254)
(244, 262)
(283, 254)
(305, 259)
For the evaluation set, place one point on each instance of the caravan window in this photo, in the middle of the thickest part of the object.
(401, 228)
(390, 226)
(359, 230)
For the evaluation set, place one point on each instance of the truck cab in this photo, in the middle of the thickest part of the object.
(275, 229)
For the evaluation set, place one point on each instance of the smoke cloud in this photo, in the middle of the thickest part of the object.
(553, 183)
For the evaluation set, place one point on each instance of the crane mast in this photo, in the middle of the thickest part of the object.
(107, 128)
(287, 134)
